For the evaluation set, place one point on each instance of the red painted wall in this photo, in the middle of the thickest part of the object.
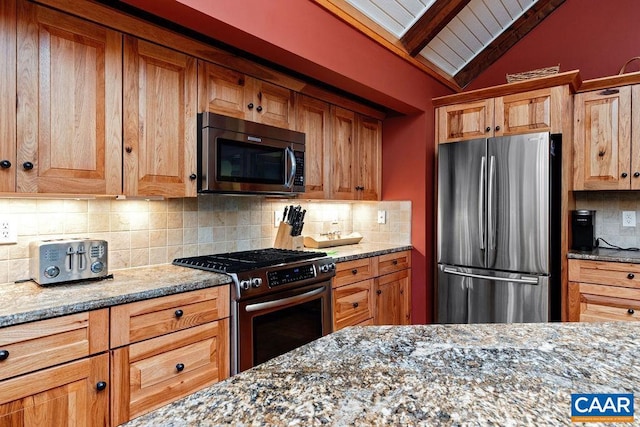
(303, 37)
(593, 36)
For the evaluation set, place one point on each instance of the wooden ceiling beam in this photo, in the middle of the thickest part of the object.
(430, 24)
(528, 21)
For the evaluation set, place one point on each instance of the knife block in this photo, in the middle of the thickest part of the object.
(284, 239)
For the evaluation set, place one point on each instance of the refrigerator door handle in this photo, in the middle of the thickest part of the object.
(481, 207)
(525, 280)
(491, 229)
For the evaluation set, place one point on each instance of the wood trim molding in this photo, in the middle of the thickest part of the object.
(610, 81)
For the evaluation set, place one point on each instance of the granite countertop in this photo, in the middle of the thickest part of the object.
(603, 254)
(27, 301)
(482, 374)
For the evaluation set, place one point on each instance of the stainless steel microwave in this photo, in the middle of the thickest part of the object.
(238, 156)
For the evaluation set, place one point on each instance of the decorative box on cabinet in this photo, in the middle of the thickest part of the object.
(167, 347)
(603, 291)
(52, 372)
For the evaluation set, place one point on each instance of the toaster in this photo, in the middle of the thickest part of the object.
(64, 260)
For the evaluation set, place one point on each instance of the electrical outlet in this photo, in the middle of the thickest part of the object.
(628, 218)
(8, 232)
(382, 217)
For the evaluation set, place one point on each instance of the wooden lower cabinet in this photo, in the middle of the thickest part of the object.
(393, 298)
(155, 372)
(353, 304)
(603, 291)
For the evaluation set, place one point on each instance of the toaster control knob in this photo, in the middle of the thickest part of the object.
(51, 271)
(245, 284)
(97, 267)
(256, 282)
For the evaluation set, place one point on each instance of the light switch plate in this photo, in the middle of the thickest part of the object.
(628, 218)
(8, 232)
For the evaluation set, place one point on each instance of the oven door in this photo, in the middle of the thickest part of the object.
(277, 323)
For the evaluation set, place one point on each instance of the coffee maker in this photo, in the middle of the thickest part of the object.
(583, 225)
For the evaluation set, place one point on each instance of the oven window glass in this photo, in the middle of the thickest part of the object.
(243, 162)
(283, 330)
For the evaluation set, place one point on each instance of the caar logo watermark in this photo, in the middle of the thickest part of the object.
(602, 408)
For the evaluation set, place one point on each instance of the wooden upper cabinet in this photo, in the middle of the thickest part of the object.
(314, 120)
(160, 102)
(523, 113)
(69, 91)
(368, 157)
(228, 92)
(8, 96)
(342, 149)
(604, 143)
(460, 122)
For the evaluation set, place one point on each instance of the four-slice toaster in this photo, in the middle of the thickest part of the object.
(63, 260)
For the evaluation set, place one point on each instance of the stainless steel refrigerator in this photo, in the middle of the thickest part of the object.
(498, 230)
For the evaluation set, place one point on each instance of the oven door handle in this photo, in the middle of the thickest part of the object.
(284, 301)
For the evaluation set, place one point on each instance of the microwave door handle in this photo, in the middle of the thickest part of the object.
(292, 159)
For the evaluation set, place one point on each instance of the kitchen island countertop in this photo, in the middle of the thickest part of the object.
(483, 374)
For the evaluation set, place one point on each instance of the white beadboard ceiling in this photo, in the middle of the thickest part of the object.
(464, 31)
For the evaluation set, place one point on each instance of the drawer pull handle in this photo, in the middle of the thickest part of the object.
(355, 305)
(101, 385)
(394, 262)
(631, 311)
(180, 367)
(4, 355)
(354, 271)
(179, 313)
(630, 276)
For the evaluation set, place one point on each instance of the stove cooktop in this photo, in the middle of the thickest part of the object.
(238, 262)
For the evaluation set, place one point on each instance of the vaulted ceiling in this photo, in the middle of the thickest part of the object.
(453, 40)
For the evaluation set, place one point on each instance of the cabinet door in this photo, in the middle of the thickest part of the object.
(222, 91)
(8, 96)
(155, 372)
(635, 138)
(67, 395)
(465, 121)
(274, 105)
(393, 299)
(368, 151)
(523, 113)
(602, 123)
(342, 151)
(69, 88)
(313, 118)
(160, 87)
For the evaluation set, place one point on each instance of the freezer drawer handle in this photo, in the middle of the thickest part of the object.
(528, 281)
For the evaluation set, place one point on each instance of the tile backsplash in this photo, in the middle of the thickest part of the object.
(609, 206)
(143, 232)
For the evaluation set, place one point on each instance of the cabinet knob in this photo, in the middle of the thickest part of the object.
(630, 276)
(259, 108)
(378, 292)
(128, 149)
(394, 262)
(250, 106)
(497, 128)
(4, 355)
(355, 305)
(354, 271)
(488, 129)
(601, 153)
(180, 367)
(27, 166)
(631, 311)
(179, 313)
(624, 174)
(5, 164)
(101, 385)
(193, 176)
(636, 174)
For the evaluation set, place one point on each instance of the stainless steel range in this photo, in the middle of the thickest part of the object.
(281, 299)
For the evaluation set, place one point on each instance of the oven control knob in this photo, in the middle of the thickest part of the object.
(256, 282)
(326, 268)
(245, 284)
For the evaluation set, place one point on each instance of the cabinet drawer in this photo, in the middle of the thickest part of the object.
(352, 304)
(45, 343)
(158, 316)
(394, 262)
(608, 303)
(355, 271)
(605, 273)
(155, 372)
